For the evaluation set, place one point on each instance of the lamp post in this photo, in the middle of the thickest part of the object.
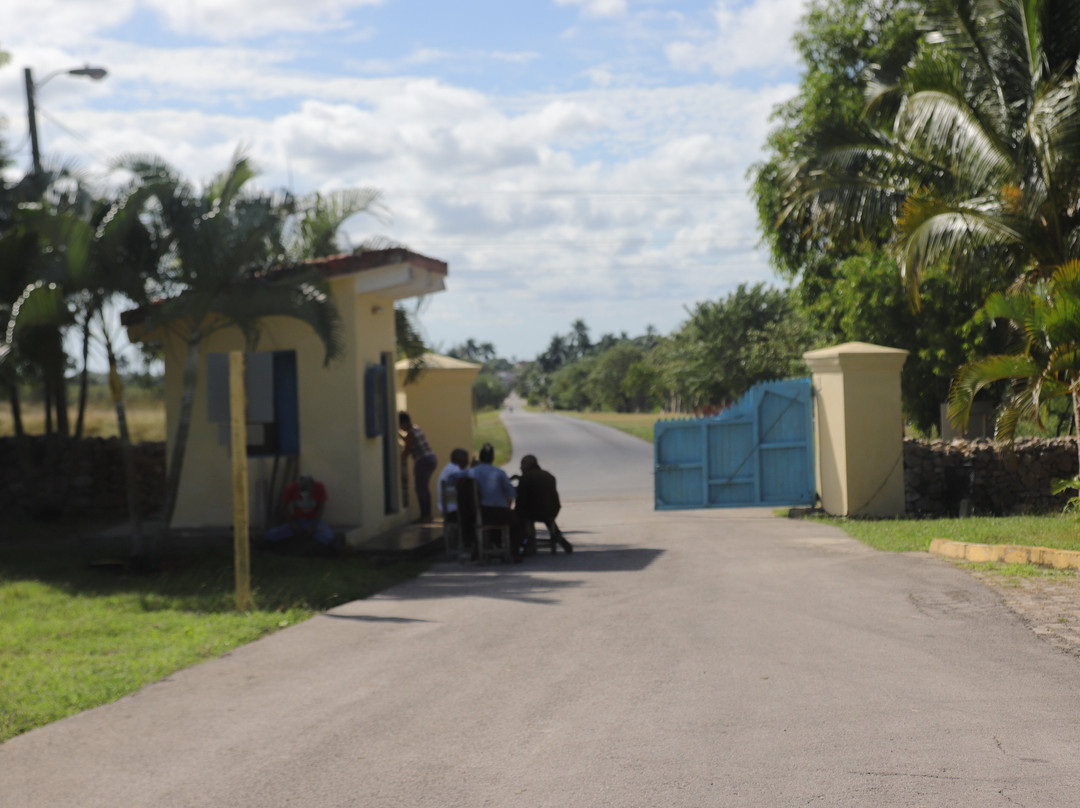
(95, 73)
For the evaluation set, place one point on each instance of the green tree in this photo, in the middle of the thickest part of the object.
(754, 334)
(970, 157)
(621, 380)
(1044, 319)
(43, 204)
(471, 351)
(569, 386)
(843, 46)
(488, 391)
(865, 302)
(314, 228)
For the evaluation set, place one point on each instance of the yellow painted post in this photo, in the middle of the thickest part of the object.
(238, 430)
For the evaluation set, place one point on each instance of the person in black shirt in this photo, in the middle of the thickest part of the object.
(538, 501)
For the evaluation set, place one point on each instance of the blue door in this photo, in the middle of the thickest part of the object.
(758, 452)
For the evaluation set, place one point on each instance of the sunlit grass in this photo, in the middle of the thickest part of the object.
(638, 424)
(73, 637)
(905, 535)
(1012, 574)
(488, 428)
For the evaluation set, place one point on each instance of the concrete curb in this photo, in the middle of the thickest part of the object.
(1007, 553)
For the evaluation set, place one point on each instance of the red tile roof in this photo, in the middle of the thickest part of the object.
(336, 266)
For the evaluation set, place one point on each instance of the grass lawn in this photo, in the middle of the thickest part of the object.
(904, 535)
(638, 424)
(145, 419)
(488, 428)
(74, 637)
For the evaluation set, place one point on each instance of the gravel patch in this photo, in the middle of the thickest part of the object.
(1050, 607)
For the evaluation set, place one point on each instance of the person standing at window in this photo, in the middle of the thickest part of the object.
(424, 461)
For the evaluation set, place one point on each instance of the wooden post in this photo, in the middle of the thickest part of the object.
(238, 431)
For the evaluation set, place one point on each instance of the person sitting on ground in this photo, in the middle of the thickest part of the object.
(424, 461)
(496, 494)
(304, 529)
(454, 471)
(538, 501)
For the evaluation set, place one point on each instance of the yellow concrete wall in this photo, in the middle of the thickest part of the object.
(333, 446)
(860, 429)
(440, 402)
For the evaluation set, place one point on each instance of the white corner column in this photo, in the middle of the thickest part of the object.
(860, 428)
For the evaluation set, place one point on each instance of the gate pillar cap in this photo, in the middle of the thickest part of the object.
(855, 356)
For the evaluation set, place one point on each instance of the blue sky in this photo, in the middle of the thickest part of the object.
(568, 158)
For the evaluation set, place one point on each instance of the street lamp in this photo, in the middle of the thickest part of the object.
(95, 73)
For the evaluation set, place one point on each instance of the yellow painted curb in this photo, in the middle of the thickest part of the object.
(1006, 553)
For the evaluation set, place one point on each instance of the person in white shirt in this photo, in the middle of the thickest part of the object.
(454, 471)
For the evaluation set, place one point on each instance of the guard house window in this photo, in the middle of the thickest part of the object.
(273, 412)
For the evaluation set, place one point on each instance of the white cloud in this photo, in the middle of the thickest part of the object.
(231, 20)
(597, 8)
(620, 203)
(754, 35)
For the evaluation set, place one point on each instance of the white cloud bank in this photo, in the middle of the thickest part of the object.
(621, 203)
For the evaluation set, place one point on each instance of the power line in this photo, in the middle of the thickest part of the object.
(451, 192)
(83, 141)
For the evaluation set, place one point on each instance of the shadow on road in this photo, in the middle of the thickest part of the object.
(368, 618)
(538, 579)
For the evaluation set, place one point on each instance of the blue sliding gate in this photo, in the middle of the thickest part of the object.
(760, 451)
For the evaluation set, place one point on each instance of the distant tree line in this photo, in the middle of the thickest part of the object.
(724, 347)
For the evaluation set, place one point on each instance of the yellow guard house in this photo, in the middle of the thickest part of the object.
(337, 422)
(440, 401)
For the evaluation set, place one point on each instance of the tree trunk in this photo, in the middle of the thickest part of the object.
(16, 410)
(127, 454)
(183, 428)
(47, 388)
(1076, 421)
(60, 392)
(83, 378)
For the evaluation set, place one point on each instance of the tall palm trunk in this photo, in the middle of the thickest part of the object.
(127, 453)
(183, 428)
(60, 393)
(1076, 425)
(46, 387)
(83, 378)
(16, 409)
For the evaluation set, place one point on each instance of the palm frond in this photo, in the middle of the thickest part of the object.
(40, 304)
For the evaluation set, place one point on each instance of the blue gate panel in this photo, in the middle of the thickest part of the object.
(736, 492)
(781, 419)
(760, 451)
(680, 444)
(730, 449)
(679, 488)
(783, 474)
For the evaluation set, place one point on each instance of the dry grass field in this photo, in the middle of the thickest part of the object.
(146, 420)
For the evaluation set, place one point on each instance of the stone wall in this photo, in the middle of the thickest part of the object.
(940, 475)
(66, 476)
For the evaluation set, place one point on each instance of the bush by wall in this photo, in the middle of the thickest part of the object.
(57, 475)
(997, 480)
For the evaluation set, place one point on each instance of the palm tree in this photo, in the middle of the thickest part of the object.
(37, 210)
(1044, 317)
(974, 155)
(314, 230)
(226, 267)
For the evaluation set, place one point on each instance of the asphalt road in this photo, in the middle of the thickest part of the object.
(694, 658)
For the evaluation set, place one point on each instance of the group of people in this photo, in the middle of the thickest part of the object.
(535, 499)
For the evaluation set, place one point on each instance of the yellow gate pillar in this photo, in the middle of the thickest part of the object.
(860, 428)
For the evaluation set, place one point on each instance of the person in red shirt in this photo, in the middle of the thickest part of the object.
(305, 500)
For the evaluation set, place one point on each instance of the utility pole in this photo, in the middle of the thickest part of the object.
(31, 116)
(94, 73)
